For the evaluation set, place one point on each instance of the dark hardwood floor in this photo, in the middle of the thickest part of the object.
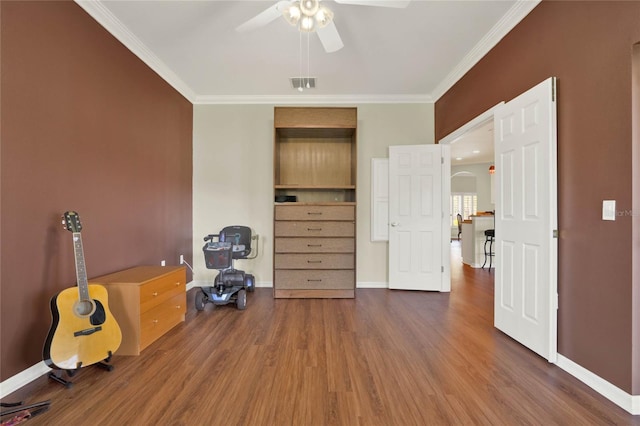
(385, 358)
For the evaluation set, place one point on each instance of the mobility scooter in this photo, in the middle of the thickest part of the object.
(230, 285)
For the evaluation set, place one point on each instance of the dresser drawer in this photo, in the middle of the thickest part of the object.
(313, 212)
(158, 320)
(314, 229)
(314, 279)
(314, 261)
(314, 245)
(159, 290)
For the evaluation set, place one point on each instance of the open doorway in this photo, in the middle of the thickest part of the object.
(472, 189)
(525, 226)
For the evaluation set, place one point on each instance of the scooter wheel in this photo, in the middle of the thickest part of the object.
(250, 283)
(201, 300)
(241, 301)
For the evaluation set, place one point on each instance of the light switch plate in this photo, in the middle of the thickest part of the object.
(608, 209)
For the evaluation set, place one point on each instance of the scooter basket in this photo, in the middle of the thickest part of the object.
(217, 255)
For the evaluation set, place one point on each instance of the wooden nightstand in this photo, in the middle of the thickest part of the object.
(146, 301)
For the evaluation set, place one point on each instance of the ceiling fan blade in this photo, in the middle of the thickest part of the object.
(265, 17)
(380, 3)
(330, 38)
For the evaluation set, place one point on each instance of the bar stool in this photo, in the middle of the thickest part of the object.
(489, 236)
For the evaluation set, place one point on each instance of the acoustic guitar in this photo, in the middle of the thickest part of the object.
(83, 330)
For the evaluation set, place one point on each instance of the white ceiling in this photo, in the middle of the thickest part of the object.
(390, 55)
(475, 146)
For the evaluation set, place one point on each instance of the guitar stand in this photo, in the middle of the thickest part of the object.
(23, 412)
(57, 375)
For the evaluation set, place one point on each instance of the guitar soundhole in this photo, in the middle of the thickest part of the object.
(84, 308)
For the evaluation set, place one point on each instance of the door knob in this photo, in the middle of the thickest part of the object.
(394, 224)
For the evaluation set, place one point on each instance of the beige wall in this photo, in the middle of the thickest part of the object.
(482, 180)
(233, 177)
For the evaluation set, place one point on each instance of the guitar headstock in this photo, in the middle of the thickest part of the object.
(71, 221)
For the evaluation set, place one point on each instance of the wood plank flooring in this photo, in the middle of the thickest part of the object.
(384, 358)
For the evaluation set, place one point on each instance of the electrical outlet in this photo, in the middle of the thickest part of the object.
(163, 263)
(181, 259)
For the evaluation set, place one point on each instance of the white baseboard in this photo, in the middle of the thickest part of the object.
(23, 378)
(372, 284)
(630, 403)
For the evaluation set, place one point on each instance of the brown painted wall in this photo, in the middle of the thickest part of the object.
(636, 215)
(588, 47)
(86, 126)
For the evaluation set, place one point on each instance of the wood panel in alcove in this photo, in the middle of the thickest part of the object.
(315, 162)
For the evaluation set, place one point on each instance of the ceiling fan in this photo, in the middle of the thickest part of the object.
(311, 16)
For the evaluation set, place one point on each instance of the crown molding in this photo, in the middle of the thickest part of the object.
(514, 15)
(303, 99)
(114, 26)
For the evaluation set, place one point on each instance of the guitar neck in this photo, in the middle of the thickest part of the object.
(81, 271)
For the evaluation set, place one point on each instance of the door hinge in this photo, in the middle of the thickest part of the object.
(555, 233)
(553, 90)
(442, 269)
(557, 301)
(441, 160)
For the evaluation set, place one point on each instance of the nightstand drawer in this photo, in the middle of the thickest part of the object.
(160, 319)
(159, 290)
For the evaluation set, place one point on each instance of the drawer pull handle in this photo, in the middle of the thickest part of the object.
(314, 245)
(314, 229)
(155, 321)
(177, 283)
(314, 281)
(317, 213)
(177, 306)
(314, 261)
(155, 293)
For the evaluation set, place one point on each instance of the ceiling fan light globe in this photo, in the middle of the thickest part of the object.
(292, 14)
(307, 24)
(309, 7)
(323, 17)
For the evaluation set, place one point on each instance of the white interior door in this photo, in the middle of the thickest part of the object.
(418, 258)
(526, 217)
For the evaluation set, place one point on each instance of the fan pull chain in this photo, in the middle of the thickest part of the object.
(300, 89)
(308, 60)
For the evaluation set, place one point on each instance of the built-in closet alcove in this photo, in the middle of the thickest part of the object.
(315, 155)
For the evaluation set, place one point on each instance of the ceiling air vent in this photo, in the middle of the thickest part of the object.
(302, 83)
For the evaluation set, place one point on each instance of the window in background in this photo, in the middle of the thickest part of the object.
(464, 203)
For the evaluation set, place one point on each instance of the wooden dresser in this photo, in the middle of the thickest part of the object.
(314, 250)
(146, 301)
(315, 236)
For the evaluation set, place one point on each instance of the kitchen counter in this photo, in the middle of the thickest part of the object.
(473, 239)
